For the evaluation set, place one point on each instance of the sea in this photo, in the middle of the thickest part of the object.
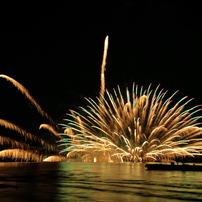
(97, 182)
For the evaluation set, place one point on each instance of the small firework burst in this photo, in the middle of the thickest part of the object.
(28, 147)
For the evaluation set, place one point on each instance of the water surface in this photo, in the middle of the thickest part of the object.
(75, 181)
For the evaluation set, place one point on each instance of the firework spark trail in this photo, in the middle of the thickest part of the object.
(50, 128)
(27, 155)
(28, 136)
(24, 91)
(102, 89)
(14, 127)
(14, 144)
(137, 126)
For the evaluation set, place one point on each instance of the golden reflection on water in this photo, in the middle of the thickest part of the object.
(98, 181)
(77, 181)
(125, 182)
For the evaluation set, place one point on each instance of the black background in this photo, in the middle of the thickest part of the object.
(55, 51)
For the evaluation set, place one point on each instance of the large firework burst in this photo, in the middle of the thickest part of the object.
(137, 125)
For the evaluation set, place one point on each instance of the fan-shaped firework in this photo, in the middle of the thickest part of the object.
(28, 147)
(141, 125)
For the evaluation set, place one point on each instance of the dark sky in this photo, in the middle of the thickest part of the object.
(55, 51)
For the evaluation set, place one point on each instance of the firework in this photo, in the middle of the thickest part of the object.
(136, 125)
(28, 147)
(27, 94)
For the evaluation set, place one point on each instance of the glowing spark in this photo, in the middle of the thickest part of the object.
(55, 158)
(102, 90)
(50, 128)
(28, 155)
(24, 91)
(26, 135)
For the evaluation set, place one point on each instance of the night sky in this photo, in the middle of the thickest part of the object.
(55, 51)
